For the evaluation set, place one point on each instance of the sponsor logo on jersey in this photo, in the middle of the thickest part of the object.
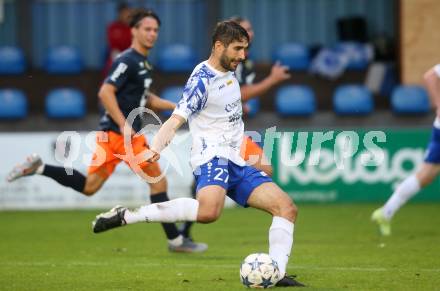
(234, 117)
(229, 107)
(147, 65)
(119, 71)
(229, 82)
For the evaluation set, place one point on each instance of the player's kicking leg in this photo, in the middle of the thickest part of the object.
(169, 212)
(207, 208)
(270, 198)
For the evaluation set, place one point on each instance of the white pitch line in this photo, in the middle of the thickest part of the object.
(218, 266)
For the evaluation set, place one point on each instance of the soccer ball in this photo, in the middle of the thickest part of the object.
(259, 271)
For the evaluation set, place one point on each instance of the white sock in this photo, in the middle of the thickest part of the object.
(175, 242)
(280, 242)
(40, 170)
(181, 209)
(407, 189)
(437, 123)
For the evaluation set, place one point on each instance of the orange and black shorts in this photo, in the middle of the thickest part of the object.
(111, 150)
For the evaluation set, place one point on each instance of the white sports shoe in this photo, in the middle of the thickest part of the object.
(188, 246)
(28, 168)
(383, 223)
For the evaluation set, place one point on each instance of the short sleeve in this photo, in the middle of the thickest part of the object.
(437, 70)
(194, 97)
(119, 73)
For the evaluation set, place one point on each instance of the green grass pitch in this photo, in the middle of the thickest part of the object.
(336, 248)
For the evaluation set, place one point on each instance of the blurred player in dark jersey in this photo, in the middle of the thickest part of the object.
(125, 89)
(245, 73)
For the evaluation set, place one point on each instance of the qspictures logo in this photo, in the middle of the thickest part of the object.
(319, 156)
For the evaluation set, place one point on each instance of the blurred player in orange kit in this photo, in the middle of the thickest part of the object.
(125, 90)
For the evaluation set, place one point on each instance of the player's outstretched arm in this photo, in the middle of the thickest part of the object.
(165, 135)
(432, 81)
(278, 74)
(158, 104)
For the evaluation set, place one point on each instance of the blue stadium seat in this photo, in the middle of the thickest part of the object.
(14, 104)
(352, 100)
(294, 55)
(177, 58)
(295, 100)
(253, 106)
(409, 100)
(65, 103)
(357, 55)
(64, 60)
(172, 94)
(12, 61)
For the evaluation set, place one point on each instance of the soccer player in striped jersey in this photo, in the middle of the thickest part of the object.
(251, 152)
(211, 104)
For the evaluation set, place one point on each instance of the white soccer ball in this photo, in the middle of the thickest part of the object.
(259, 271)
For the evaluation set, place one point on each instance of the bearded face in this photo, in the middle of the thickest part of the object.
(233, 55)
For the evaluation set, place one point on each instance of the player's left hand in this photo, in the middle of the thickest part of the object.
(279, 73)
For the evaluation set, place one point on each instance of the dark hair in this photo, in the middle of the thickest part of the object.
(139, 14)
(227, 32)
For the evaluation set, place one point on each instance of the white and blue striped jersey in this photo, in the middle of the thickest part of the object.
(211, 103)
